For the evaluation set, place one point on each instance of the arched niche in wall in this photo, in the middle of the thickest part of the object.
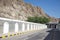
(16, 27)
(5, 27)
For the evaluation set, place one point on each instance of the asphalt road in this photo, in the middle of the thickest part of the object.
(54, 34)
(46, 34)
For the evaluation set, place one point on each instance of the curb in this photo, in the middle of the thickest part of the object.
(17, 34)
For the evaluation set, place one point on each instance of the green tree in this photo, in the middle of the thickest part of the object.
(38, 19)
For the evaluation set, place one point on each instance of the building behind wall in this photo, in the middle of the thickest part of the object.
(52, 25)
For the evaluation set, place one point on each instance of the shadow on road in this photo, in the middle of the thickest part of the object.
(54, 34)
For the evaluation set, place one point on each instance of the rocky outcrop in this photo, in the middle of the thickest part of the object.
(17, 9)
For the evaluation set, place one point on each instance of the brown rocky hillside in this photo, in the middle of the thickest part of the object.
(18, 9)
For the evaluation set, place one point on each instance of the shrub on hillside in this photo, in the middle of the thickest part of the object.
(38, 19)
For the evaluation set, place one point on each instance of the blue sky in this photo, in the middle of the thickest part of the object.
(51, 7)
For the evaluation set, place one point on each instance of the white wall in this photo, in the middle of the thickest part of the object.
(26, 26)
(58, 26)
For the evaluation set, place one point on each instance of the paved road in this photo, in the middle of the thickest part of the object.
(46, 34)
(54, 34)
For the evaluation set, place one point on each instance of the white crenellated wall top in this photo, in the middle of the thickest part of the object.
(19, 21)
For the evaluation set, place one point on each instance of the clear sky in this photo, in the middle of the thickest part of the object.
(51, 7)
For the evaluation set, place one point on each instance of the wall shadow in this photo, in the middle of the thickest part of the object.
(54, 34)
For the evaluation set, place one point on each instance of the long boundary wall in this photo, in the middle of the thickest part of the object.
(10, 26)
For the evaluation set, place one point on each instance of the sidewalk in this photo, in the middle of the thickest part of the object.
(36, 35)
(40, 35)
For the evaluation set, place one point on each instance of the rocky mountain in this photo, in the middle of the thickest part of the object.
(18, 9)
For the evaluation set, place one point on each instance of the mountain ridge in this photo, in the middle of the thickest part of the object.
(18, 9)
